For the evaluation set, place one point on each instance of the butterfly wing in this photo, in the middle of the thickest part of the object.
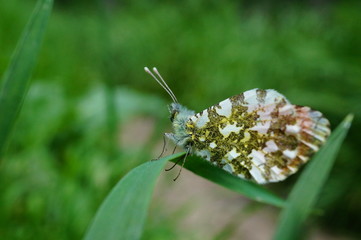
(258, 134)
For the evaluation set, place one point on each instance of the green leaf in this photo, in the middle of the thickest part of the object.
(16, 78)
(305, 192)
(249, 189)
(123, 212)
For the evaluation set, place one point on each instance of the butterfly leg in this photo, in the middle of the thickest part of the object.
(189, 148)
(175, 164)
(163, 149)
(168, 169)
(175, 147)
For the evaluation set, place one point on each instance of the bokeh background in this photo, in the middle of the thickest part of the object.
(92, 114)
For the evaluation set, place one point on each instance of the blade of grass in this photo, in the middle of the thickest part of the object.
(122, 214)
(249, 189)
(16, 78)
(305, 192)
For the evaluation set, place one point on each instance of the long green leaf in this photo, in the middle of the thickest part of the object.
(16, 78)
(123, 212)
(215, 174)
(305, 192)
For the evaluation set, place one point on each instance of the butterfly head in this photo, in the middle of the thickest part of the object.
(179, 115)
(174, 109)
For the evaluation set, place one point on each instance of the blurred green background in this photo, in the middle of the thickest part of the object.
(92, 114)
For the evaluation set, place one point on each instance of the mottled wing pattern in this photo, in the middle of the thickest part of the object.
(258, 134)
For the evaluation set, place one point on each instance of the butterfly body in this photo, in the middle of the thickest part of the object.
(256, 135)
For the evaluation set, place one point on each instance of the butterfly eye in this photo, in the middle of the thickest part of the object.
(172, 116)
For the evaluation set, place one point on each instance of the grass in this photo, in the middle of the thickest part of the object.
(124, 211)
(16, 79)
(307, 189)
(70, 140)
(221, 177)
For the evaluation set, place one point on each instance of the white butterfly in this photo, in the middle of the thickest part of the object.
(257, 134)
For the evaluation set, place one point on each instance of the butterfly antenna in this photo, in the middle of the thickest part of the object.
(162, 84)
(165, 84)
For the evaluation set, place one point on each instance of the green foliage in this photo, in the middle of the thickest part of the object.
(17, 75)
(124, 210)
(59, 165)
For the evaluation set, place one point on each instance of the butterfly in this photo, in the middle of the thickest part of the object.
(257, 134)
